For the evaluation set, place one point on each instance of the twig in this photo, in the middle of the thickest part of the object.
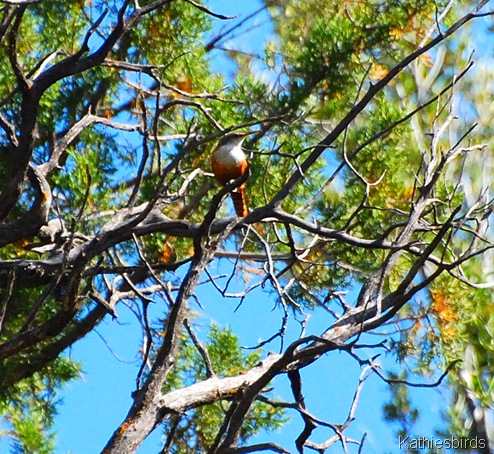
(201, 349)
(435, 384)
(208, 11)
(210, 45)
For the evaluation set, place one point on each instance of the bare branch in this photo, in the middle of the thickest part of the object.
(435, 384)
(208, 11)
(201, 349)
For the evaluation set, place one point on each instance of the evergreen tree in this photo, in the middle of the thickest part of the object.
(370, 162)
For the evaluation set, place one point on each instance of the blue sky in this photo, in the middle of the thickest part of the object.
(94, 406)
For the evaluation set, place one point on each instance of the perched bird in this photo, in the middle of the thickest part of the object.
(229, 162)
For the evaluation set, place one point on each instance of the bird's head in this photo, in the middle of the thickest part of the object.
(234, 139)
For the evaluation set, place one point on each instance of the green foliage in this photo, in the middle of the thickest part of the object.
(30, 406)
(329, 46)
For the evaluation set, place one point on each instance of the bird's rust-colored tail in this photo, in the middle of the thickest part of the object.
(238, 198)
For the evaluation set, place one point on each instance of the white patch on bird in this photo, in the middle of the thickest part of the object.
(229, 156)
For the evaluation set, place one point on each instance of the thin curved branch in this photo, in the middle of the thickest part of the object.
(413, 384)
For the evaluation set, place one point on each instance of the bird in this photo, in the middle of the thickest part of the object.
(229, 162)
